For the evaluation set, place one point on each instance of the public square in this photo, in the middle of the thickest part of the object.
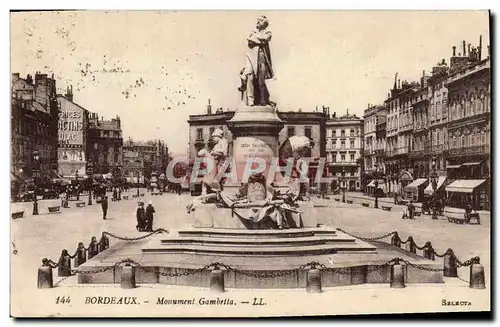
(45, 235)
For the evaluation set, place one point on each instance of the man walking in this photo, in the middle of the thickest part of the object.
(411, 209)
(150, 210)
(104, 206)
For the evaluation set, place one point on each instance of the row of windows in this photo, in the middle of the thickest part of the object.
(342, 143)
(473, 139)
(290, 131)
(340, 132)
(211, 130)
(333, 158)
(469, 108)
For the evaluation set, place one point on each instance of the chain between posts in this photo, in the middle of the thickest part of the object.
(368, 238)
(255, 274)
(122, 238)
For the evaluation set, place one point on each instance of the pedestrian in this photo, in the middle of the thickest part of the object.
(411, 209)
(115, 194)
(141, 217)
(150, 210)
(93, 248)
(104, 206)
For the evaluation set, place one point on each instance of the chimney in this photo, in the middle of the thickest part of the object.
(399, 83)
(209, 108)
(443, 62)
(480, 46)
(488, 51)
(463, 48)
(15, 77)
(468, 49)
(69, 93)
(29, 78)
(454, 50)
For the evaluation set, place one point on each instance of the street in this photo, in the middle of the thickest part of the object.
(45, 235)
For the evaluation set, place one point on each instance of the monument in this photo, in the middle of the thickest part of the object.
(256, 223)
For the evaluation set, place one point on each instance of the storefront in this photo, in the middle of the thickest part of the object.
(463, 192)
(415, 190)
(429, 191)
(381, 189)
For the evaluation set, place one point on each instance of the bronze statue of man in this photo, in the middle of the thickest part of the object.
(258, 66)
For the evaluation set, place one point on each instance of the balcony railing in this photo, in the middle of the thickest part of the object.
(470, 150)
(344, 163)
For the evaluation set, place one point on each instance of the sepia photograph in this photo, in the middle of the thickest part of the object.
(256, 163)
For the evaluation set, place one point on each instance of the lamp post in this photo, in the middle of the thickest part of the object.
(376, 186)
(119, 168)
(36, 170)
(138, 178)
(343, 185)
(90, 173)
(77, 186)
(434, 179)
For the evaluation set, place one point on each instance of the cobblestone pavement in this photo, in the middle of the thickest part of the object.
(45, 235)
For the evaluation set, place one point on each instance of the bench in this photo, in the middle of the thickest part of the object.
(54, 208)
(337, 199)
(417, 213)
(125, 197)
(142, 194)
(80, 204)
(18, 214)
(349, 201)
(365, 204)
(386, 208)
(134, 196)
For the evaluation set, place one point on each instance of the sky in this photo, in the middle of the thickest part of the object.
(154, 69)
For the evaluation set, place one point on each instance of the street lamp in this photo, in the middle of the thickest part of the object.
(36, 170)
(90, 174)
(376, 186)
(343, 185)
(434, 180)
(77, 186)
(138, 185)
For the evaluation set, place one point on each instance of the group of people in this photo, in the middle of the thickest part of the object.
(145, 217)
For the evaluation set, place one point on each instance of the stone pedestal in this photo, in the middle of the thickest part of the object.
(255, 135)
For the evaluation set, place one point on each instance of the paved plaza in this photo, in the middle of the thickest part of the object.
(45, 235)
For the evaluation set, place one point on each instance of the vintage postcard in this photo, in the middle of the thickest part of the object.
(250, 163)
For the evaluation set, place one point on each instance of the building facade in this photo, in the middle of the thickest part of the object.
(105, 143)
(142, 158)
(296, 123)
(34, 125)
(469, 127)
(375, 129)
(344, 150)
(73, 127)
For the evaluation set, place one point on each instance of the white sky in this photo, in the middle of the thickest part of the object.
(338, 59)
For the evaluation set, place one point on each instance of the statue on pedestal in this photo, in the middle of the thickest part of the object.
(258, 66)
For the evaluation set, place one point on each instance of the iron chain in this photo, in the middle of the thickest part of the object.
(368, 238)
(157, 231)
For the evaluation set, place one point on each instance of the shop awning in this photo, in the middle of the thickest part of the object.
(472, 163)
(405, 176)
(464, 185)
(372, 183)
(453, 166)
(416, 183)
(429, 191)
